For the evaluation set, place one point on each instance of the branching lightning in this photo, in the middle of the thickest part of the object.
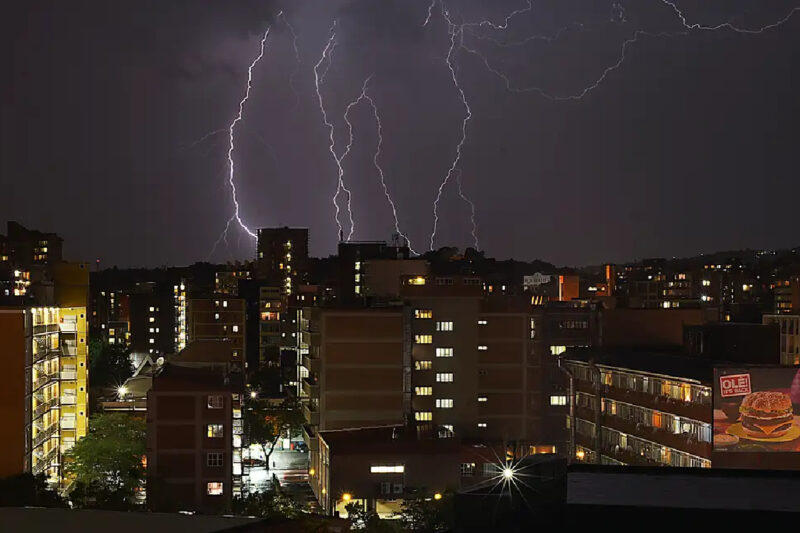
(376, 163)
(456, 35)
(318, 79)
(728, 25)
(231, 146)
(471, 207)
(296, 58)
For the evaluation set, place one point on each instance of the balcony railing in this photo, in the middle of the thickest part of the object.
(44, 379)
(44, 462)
(44, 354)
(69, 375)
(42, 436)
(43, 406)
(69, 399)
(311, 415)
(68, 423)
(310, 388)
(695, 411)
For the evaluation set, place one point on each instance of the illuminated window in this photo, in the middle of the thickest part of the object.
(214, 431)
(358, 265)
(214, 459)
(444, 403)
(558, 400)
(235, 329)
(444, 377)
(152, 319)
(225, 303)
(423, 416)
(423, 391)
(387, 469)
(467, 469)
(444, 352)
(419, 280)
(481, 322)
(423, 313)
(483, 348)
(152, 341)
(557, 350)
(423, 365)
(214, 488)
(152, 309)
(215, 402)
(483, 399)
(481, 424)
(216, 316)
(423, 339)
(444, 326)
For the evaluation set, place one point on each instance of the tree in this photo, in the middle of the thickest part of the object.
(109, 364)
(269, 504)
(107, 463)
(264, 424)
(424, 512)
(24, 490)
(369, 521)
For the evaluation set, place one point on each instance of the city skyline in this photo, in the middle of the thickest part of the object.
(166, 78)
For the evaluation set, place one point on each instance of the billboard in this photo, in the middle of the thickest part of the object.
(757, 410)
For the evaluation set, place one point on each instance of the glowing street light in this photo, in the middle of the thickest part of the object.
(508, 473)
(347, 496)
(122, 390)
(253, 395)
(437, 496)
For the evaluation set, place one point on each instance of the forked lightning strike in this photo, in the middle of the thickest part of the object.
(318, 79)
(231, 146)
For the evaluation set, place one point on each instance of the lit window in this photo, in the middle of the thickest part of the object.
(481, 424)
(152, 341)
(467, 469)
(215, 402)
(214, 431)
(358, 265)
(423, 391)
(214, 488)
(235, 329)
(214, 459)
(423, 313)
(481, 322)
(216, 316)
(152, 309)
(483, 399)
(225, 303)
(444, 403)
(419, 280)
(423, 416)
(385, 469)
(423, 365)
(558, 400)
(444, 377)
(444, 352)
(483, 348)
(423, 339)
(557, 350)
(152, 319)
(444, 326)
(111, 331)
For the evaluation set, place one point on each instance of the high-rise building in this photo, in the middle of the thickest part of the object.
(282, 257)
(218, 318)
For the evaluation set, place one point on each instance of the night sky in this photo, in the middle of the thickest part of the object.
(690, 146)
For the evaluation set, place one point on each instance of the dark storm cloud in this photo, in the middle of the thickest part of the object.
(688, 147)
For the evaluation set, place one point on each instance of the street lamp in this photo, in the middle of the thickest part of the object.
(347, 496)
(437, 496)
(122, 390)
(508, 474)
(253, 394)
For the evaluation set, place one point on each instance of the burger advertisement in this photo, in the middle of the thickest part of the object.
(757, 409)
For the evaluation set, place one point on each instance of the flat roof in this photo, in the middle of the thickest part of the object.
(664, 362)
(36, 519)
(684, 488)
(390, 439)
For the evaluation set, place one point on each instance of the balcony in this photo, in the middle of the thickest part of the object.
(69, 399)
(310, 388)
(695, 411)
(311, 415)
(45, 354)
(68, 423)
(311, 363)
(69, 375)
(677, 441)
(44, 379)
(44, 462)
(43, 406)
(42, 436)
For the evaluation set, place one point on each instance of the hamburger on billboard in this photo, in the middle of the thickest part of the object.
(757, 409)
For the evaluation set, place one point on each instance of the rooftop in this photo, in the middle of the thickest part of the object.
(664, 362)
(391, 438)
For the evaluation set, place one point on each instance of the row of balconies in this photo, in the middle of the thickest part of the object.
(43, 406)
(677, 441)
(310, 387)
(45, 461)
(692, 410)
(44, 435)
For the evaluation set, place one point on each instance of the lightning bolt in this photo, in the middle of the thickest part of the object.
(297, 60)
(728, 25)
(454, 31)
(318, 79)
(472, 210)
(231, 146)
(376, 163)
(430, 13)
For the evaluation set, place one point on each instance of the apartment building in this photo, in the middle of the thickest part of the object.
(44, 403)
(217, 318)
(282, 257)
(640, 408)
(194, 439)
